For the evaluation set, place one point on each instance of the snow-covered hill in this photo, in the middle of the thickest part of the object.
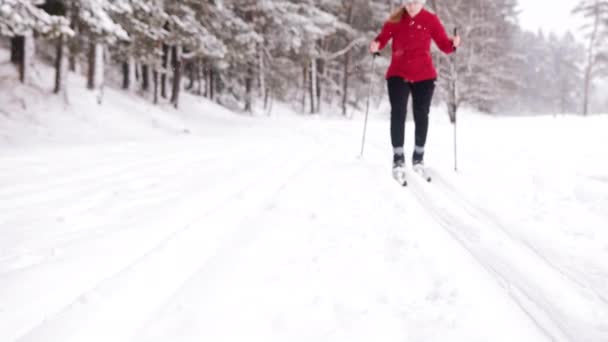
(130, 222)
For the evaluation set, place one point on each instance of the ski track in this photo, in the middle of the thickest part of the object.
(477, 210)
(124, 288)
(168, 183)
(185, 213)
(50, 184)
(132, 207)
(551, 298)
(231, 178)
(316, 280)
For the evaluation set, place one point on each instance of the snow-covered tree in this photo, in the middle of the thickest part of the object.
(480, 72)
(315, 26)
(189, 37)
(595, 13)
(19, 19)
(145, 24)
(548, 69)
(566, 72)
(95, 19)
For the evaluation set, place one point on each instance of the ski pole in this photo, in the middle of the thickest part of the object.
(455, 108)
(369, 95)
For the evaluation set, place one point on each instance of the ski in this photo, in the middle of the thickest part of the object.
(399, 175)
(421, 171)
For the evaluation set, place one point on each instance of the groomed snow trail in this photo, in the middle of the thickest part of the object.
(274, 232)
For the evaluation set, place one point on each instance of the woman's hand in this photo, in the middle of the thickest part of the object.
(374, 47)
(456, 41)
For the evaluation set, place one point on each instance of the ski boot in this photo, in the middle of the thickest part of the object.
(399, 168)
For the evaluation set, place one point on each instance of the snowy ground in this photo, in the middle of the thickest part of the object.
(128, 222)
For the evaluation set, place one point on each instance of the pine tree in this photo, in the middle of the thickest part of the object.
(596, 14)
(145, 25)
(481, 69)
(18, 20)
(566, 72)
(95, 19)
(189, 37)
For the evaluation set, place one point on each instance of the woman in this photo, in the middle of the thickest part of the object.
(411, 71)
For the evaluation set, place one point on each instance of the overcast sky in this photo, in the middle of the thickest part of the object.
(549, 15)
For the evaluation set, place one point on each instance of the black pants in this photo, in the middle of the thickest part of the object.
(422, 95)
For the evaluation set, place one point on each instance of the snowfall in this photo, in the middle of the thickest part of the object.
(132, 222)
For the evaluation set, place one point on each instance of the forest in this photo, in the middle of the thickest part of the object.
(312, 54)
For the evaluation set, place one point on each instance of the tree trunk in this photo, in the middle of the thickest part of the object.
(72, 13)
(126, 82)
(587, 90)
(18, 55)
(345, 77)
(304, 86)
(206, 78)
(199, 80)
(137, 71)
(345, 70)
(313, 85)
(132, 70)
(262, 81)
(95, 72)
(267, 100)
(163, 78)
(191, 67)
(321, 71)
(145, 77)
(590, 60)
(29, 50)
(155, 86)
(177, 76)
(60, 73)
(248, 86)
(211, 84)
(17, 49)
(72, 63)
(91, 71)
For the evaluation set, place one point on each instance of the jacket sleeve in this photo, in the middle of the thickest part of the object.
(386, 34)
(440, 37)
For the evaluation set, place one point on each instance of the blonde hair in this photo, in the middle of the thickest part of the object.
(397, 15)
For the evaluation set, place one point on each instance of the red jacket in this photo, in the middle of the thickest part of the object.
(411, 58)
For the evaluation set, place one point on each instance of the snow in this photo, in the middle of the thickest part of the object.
(22, 16)
(133, 222)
